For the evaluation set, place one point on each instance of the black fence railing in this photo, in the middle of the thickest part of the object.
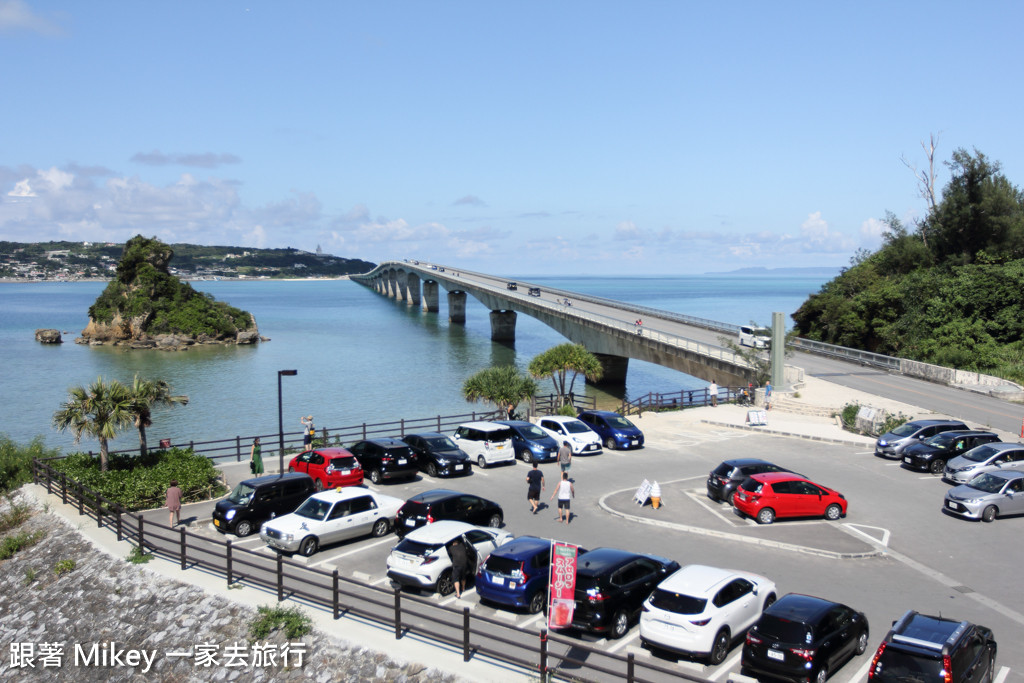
(686, 398)
(537, 651)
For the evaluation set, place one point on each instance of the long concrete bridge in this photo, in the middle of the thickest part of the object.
(604, 327)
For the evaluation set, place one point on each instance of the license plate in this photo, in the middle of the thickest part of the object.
(906, 460)
(401, 461)
(497, 580)
(775, 654)
(458, 467)
(410, 522)
(634, 442)
(344, 472)
(951, 505)
(499, 448)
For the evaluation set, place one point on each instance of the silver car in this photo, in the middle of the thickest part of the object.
(891, 444)
(987, 496)
(990, 457)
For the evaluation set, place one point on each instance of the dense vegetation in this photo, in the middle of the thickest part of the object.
(16, 461)
(949, 291)
(144, 288)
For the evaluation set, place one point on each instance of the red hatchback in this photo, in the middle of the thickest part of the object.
(783, 494)
(329, 467)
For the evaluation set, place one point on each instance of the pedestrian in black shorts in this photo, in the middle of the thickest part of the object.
(460, 562)
(565, 492)
(535, 480)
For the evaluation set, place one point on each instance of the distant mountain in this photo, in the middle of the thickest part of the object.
(817, 271)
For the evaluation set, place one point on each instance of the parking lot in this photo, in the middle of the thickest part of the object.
(894, 551)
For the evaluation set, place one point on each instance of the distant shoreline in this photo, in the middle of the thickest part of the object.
(27, 280)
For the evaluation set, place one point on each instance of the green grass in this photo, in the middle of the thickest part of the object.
(292, 620)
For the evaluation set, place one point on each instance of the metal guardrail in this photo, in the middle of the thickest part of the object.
(877, 360)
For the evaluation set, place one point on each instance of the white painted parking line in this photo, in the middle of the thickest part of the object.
(624, 642)
(862, 672)
(1001, 676)
(533, 620)
(362, 576)
(726, 666)
(459, 599)
(857, 528)
(379, 581)
(386, 539)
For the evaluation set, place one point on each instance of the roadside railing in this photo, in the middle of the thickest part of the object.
(677, 400)
(536, 651)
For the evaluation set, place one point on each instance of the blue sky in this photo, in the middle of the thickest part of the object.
(509, 137)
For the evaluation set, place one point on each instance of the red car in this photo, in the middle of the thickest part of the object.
(784, 494)
(329, 467)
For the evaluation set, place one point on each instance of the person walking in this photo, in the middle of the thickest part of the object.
(460, 562)
(565, 492)
(308, 431)
(768, 395)
(713, 391)
(256, 457)
(535, 483)
(565, 457)
(173, 502)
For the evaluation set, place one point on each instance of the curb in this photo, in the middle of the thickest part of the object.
(794, 435)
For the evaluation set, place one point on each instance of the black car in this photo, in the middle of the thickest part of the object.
(611, 586)
(437, 454)
(727, 477)
(254, 501)
(531, 443)
(929, 649)
(512, 286)
(385, 459)
(803, 639)
(534, 291)
(431, 506)
(932, 454)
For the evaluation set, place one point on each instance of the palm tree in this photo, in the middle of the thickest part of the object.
(558, 361)
(145, 394)
(100, 411)
(503, 386)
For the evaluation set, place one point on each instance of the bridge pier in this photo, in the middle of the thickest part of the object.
(503, 326)
(457, 307)
(615, 368)
(430, 301)
(412, 289)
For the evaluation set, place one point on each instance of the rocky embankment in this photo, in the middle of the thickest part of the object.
(100, 609)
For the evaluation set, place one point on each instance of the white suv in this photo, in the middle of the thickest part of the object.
(581, 438)
(487, 443)
(421, 560)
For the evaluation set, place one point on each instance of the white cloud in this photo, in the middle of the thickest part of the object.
(16, 15)
(22, 189)
(814, 229)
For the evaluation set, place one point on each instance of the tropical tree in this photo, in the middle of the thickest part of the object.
(503, 386)
(145, 394)
(566, 361)
(100, 411)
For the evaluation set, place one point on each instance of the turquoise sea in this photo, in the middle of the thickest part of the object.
(360, 356)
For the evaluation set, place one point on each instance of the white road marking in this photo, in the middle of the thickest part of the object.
(624, 642)
(379, 581)
(535, 618)
(862, 672)
(1001, 676)
(885, 532)
(727, 666)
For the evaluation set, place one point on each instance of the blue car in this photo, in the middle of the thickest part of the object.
(516, 574)
(531, 442)
(616, 432)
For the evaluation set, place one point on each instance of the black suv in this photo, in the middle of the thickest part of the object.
(430, 506)
(931, 454)
(256, 500)
(934, 650)
(385, 459)
(727, 477)
(611, 586)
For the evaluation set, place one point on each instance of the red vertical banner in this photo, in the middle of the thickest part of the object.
(562, 585)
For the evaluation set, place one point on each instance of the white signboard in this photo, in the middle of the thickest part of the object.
(642, 493)
(757, 418)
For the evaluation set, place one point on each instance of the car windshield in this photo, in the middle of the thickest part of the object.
(905, 429)
(242, 494)
(532, 431)
(895, 665)
(314, 509)
(677, 602)
(989, 483)
(941, 440)
(620, 422)
(980, 454)
(576, 427)
(343, 463)
(417, 548)
(783, 630)
(441, 443)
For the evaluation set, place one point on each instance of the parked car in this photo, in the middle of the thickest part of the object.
(253, 501)
(487, 443)
(430, 506)
(803, 639)
(768, 496)
(437, 454)
(517, 574)
(755, 337)
(534, 291)
(891, 444)
(701, 610)
(991, 457)
(530, 442)
(329, 467)
(987, 496)
(512, 286)
(611, 586)
(615, 431)
(724, 479)
(932, 454)
(928, 649)
(421, 559)
(385, 458)
(582, 439)
(329, 517)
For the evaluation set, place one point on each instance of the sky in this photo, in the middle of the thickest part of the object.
(518, 138)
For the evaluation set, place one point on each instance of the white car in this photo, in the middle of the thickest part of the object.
(421, 560)
(582, 439)
(702, 610)
(486, 443)
(332, 516)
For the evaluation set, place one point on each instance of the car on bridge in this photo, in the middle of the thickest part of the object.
(512, 286)
(534, 291)
(617, 432)
(755, 337)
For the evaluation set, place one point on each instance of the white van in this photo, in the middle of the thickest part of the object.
(487, 443)
(755, 337)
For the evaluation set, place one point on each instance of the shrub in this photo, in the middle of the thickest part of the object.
(292, 620)
(12, 544)
(16, 460)
(17, 514)
(849, 415)
(138, 556)
(568, 410)
(63, 567)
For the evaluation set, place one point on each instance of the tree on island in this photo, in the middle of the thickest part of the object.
(559, 361)
(100, 411)
(144, 395)
(503, 386)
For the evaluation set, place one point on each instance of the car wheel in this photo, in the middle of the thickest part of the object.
(620, 624)
(375, 476)
(243, 528)
(822, 675)
(445, 585)
(609, 443)
(989, 514)
(432, 469)
(380, 527)
(308, 546)
(720, 648)
(766, 516)
(528, 457)
(537, 602)
(937, 466)
(318, 485)
(833, 512)
(481, 463)
(494, 521)
(862, 642)
(290, 469)
(768, 602)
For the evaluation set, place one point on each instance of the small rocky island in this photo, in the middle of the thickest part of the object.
(146, 307)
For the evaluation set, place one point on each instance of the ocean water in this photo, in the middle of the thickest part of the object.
(360, 356)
